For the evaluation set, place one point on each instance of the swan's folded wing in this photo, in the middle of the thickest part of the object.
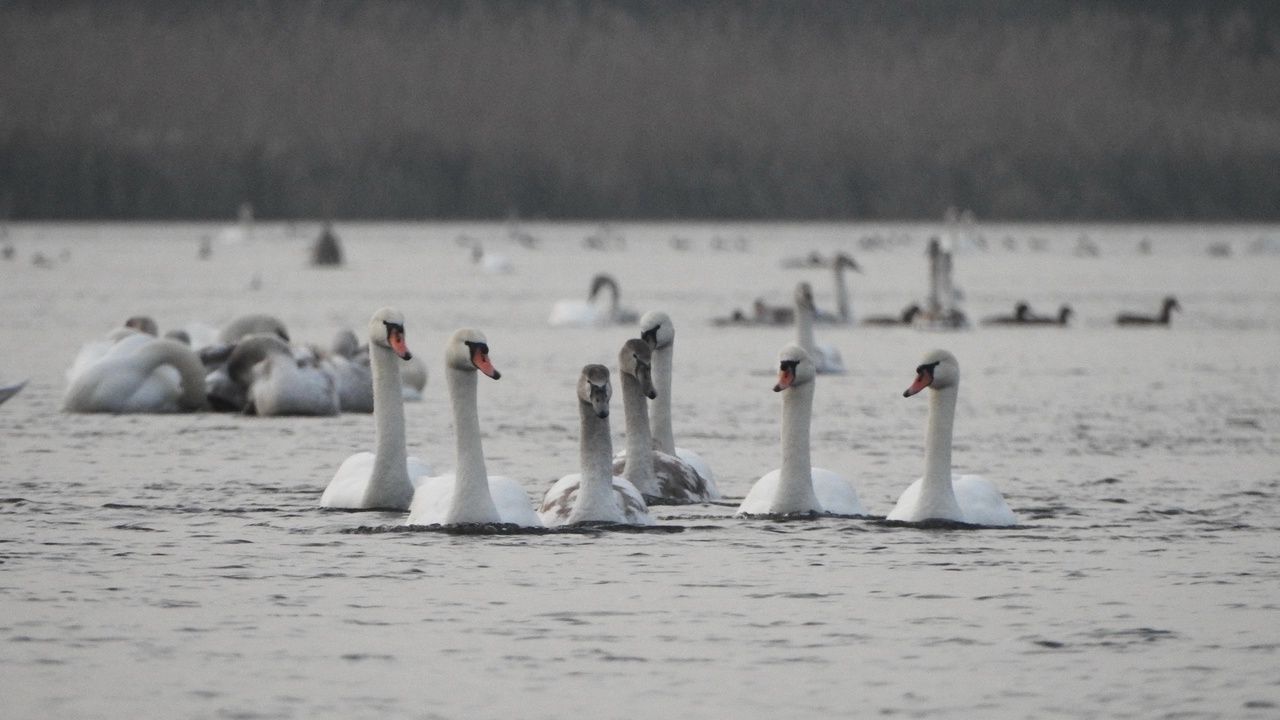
(346, 489)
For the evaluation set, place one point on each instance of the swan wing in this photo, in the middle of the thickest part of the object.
(512, 502)
(759, 499)
(981, 501)
(346, 489)
(836, 493)
(431, 500)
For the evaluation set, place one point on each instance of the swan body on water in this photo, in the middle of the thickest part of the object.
(659, 476)
(592, 311)
(594, 494)
(797, 486)
(382, 479)
(133, 372)
(469, 494)
(941, 495)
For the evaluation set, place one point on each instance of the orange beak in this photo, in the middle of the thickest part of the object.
(923, 380)
(481, 361)
(395, 337)
(786, 376)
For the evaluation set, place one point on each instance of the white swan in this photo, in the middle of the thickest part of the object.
(133, 372)
(592, 311)
(844, 311)
(659, 332)
(469, 494)
(940, 495)
(382, 479)
(826, 358)
(798, 487)
(278, 383)
(658, 476)
(595, 494)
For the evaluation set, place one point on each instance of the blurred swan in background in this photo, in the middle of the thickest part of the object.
(593, 311)
(826, 358)
(133, 372)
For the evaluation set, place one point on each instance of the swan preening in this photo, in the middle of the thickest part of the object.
(133, 372)
(797, 486)
(469, 494)
(277, 382)
(594, 494)
(383, 479)
(659, 476)
(1166, 312)
(593, 311)
(940, 495)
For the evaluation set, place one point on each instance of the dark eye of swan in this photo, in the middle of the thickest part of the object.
(928, 368)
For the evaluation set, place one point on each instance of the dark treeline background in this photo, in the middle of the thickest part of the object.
(881, 109)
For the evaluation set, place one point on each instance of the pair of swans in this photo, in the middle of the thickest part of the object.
(798, 487)
(593, 311)
(388, 479)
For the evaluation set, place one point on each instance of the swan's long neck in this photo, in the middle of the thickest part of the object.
(804, 330)
(660, 409)
(471, 501)
(843, 303)
(639, 469)
(795, 484)
(595, 453)
(936, 492)
(389, 484)
(170, 352)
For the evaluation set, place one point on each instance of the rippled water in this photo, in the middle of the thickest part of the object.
(179, 566)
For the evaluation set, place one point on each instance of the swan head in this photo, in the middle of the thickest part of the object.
(468, 350)
(144, 324)
(594, 389)
(345, 343)
(601, 281)
(845, 260)
(938, 369)
(386, 329)
(804, 298)
(795, 367)
(635, 359)
(657, 330)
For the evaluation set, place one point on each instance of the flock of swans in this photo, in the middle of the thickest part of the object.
(251, 367)
(619, 489)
